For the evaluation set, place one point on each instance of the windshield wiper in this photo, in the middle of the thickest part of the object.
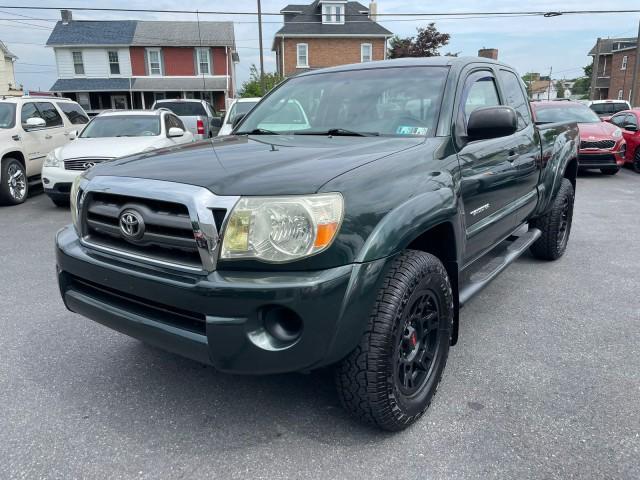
(340, 132)
(258, 131)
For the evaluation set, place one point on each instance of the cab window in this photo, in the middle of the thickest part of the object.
(514, 97)
(479, 91)
(29, 110)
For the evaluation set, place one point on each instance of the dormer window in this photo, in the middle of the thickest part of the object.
(333, 13)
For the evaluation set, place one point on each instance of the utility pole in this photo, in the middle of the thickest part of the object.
(635, 100)
(260, 44)
(549, 88)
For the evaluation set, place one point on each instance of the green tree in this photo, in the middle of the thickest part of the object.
(588, 70)
(253, 86)
(581, 86)
(559, 89)
(425, 44)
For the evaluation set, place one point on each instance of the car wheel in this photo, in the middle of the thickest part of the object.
(636, 161)
(60, 202)
(391, 377)
(555, 225)
(13, 182)
(610, 170)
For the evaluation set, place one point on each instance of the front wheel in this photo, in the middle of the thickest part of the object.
(555, 225)
(391, 377)
(636, 161)
(13, 182)
(610, 170)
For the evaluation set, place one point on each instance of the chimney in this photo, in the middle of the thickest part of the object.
(488, 53)
(373, 11)
(67, 16)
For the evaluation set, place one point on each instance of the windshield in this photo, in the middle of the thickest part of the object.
(568, 113)
(184, 109)
(122, 126)
(609, 107)
(239, 108)
(399, 101)
(7, 115)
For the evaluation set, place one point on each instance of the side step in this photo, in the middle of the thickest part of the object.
(482, 277)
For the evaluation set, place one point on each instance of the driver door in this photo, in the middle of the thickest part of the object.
(34, 143)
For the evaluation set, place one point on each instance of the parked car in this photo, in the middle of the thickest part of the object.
(628, 121)
(110, 135)
(605, 108)
(198, 116)
(602, 145)
(240, 106)
(352, 242)
(30, 127)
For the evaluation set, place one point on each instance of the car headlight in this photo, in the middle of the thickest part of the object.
(282, 229)
(52, 159)
(73, 201)
(617, 133)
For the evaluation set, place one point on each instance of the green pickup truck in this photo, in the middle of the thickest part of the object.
(345, 222)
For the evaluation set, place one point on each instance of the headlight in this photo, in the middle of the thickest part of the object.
(52, 159)
(617, 133)
(73, 200)
(282, 229)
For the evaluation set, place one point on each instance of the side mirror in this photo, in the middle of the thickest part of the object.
(73, 134)
(237, 119)
(492, 122)
(630, 127)
(35, 122)
(175, 132)
(216, 122)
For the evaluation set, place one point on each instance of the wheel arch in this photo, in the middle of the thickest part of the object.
(571, 172)
(16, 154)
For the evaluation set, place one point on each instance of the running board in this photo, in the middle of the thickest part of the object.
(482, 277)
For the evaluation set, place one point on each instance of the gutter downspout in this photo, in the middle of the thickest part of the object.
(635, 100)
(282, 53)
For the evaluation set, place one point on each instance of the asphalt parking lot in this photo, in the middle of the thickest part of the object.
(544, 383)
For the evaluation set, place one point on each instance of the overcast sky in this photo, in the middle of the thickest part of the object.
(527, 43)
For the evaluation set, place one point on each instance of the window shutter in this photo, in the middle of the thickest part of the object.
(195, 61)
(161, 55)
(146, 63)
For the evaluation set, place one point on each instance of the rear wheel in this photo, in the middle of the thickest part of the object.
(13, 182)
(610, 170)
(636, 161)
(555, 225)
(391, 377)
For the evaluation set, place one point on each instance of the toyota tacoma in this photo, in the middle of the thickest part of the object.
(345, 222)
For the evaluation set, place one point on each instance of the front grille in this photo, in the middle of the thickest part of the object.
(168, 233)
(153, 310)
(601, 144)
(597, 159)
(82, 164)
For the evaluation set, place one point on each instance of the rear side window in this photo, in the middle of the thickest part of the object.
(514, 97)
(50, 115)
(184, 109)
(74, 113)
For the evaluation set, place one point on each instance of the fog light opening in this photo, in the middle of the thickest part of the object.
(282, 324)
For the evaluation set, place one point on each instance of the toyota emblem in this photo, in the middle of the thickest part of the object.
(131, 224)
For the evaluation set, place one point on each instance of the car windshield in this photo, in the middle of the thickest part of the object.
(239, 108)
(398, 101)
(7, 115)
(184, 109)
(566, 113)
(122, 126)
(609, 108)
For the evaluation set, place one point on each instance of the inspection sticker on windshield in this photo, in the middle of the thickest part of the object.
(402, 130)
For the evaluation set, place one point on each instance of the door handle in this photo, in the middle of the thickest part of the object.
(47, 136)
(513, 155)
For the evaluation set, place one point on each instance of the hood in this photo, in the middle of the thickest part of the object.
(258, 165)
(106, 147)
(599, 131)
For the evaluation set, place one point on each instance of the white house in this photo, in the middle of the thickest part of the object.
(8, 85)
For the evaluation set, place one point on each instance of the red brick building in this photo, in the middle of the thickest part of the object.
(614, 73)
(327, 33)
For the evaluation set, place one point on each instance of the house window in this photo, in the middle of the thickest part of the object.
(332, 13)
(366, 52)
(624, 63)
(303, 55)
(84, 101)
(155, 62)
(204, 61)
(620, 94)
(78, 64)
(114, 64)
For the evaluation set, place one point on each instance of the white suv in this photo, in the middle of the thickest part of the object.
(31, 127)
(110, 135)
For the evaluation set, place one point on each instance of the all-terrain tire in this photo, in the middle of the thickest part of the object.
(555, 225)
(14, 186)
(390, 378)
(610, 170)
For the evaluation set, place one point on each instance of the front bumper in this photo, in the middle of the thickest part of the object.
(591, 158)
(57, 181)
(218, 319)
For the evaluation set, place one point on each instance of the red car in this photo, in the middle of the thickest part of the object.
(628, 121)
(602, 144)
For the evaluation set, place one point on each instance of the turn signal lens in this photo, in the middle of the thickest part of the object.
(282, 229)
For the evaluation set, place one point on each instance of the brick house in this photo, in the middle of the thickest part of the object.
(613, 69)
(130, 64)
(327, 33)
